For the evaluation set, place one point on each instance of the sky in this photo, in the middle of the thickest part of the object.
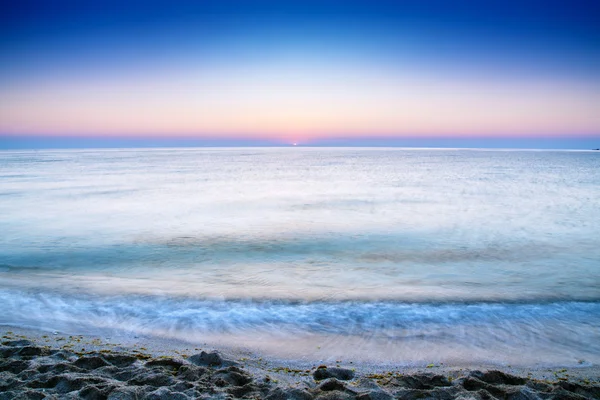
(428, 72)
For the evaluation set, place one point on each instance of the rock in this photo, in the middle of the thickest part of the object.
(22, 395)
(421, 381)
(343, 374)
(582, 390)
(8, 381)
(289, 394)
(90, 363)
(523, 393)
(62, 355)
(233, 376)
(165, 394)
(108, 371)
(70, 382)
(58, 368)
(331, 384)
(29, 374)
(6, 352)
(375, 395)
(168, 363)
(120, 360)
(182, 386)
(155, 379)
(562, 394)
(241, 391)
(474, 384)
(212, 359)
(126, 393)
(31, 351)
(367, 384)
(335, 396)
(14, 366)
(43, 382)
(498, 378)
(18, 343)
(190, 372)
(539, 386)
(482, 388)
(126, 374)
(440, 394)
(92, 393)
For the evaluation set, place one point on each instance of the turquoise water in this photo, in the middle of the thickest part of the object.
(389, 255)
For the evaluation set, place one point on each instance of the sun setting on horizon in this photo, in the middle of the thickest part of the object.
(306, 71)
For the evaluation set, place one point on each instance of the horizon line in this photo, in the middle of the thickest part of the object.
(33, 142)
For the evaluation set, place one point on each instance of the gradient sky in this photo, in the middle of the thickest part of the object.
(300, 71)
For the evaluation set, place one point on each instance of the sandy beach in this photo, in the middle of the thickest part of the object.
(37, 364)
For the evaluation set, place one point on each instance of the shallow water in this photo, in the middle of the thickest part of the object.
(384, 254)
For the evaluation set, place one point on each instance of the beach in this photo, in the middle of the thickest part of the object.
(37, 364)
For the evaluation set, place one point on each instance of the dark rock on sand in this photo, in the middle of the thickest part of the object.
(343, 374)
(331, 384)
(125, 374)
(168, 363)
(62, 355)
(335, 396)
(498, 377)
(289, 394)
(126, 393)
(30, 374)
(71, 382)
(8, 381)
(191, 372)
(95, 392)
(152, 378)
(90, 363)
(18, 343)
(165, 394)
(241, 391)
(58, 368)
(421, 381)
(562, 394)
(521, 393)
(437, 394)
(375, 395)
(32, 351)
(44, 381)
(182, 386)
(120, 360)
(473, 384)
(212, 359)
(14, 366)
(582, 390)
(22, 395)
(232, 376)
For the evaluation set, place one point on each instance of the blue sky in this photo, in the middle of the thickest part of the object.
(516, 72)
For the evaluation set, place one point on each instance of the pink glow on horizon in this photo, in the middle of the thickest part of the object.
(292, 104)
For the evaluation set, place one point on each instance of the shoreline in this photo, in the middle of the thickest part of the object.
(50, 363)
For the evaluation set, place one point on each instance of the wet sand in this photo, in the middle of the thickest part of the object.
(38, 364)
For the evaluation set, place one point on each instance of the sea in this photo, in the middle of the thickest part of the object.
(383, 255)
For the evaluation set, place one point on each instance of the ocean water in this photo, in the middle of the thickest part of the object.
(400, 256)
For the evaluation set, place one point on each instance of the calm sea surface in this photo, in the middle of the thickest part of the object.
(388, 255)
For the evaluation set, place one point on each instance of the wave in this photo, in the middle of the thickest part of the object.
(329, 317)
(552, 332)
